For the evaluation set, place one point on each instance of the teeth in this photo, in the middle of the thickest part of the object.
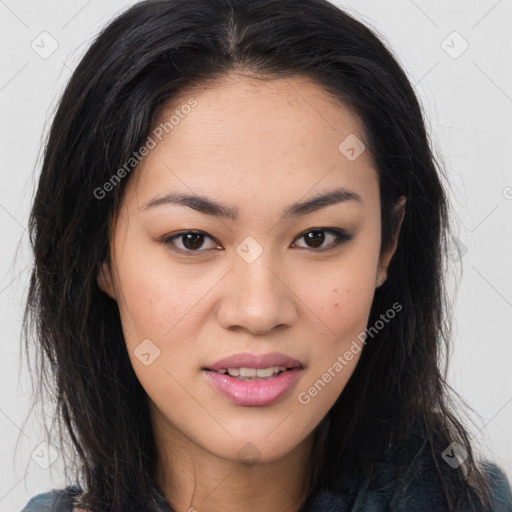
(266, 372)
(253, 372)
(248, 372)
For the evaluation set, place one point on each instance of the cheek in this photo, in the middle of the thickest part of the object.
(151, 298)
(341, 302)
(157, 306)
(341, 295)
(146, 306)
(161, 300)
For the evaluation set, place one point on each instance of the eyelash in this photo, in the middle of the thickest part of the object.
(341, 237)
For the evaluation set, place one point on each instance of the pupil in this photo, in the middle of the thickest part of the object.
(317, 237)
(194, 238)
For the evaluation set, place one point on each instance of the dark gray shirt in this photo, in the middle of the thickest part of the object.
(423, 494)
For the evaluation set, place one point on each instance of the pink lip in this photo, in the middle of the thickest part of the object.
(255, 361)
(254, 393)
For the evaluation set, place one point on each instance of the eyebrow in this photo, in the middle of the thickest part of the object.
(208, 206)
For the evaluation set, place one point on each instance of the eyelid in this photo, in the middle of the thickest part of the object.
(168, 240)
(341, 236)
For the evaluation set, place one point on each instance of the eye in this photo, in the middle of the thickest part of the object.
(189, 241)
(315, 238)
(194, 241)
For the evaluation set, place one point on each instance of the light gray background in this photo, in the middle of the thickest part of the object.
(468, 105)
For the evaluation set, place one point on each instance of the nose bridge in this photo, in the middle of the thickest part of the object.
(257, 280)
(256, 297)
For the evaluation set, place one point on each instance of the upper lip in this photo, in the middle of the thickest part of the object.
(255, 361)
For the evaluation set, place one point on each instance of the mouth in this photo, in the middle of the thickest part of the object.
(252, 374)
(254, 380)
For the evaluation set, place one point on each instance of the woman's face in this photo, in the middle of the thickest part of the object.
(270, 280)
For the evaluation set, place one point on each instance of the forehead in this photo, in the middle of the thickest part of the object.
(295, 110)
(248, 134)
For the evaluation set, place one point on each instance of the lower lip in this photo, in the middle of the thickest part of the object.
(253, 393)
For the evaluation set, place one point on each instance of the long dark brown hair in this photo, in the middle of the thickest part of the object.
(143, 59)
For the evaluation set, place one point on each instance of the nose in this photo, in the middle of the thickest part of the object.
(256, 298)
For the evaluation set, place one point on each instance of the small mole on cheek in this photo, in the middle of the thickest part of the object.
(335, 304)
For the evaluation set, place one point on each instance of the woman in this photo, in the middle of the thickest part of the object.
(239, 235)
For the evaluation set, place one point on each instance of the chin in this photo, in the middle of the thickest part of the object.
(253, 447)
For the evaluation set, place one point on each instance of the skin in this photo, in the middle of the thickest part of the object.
(257, 146)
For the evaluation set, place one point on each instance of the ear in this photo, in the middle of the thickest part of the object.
(385, 258)
(104, 280)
